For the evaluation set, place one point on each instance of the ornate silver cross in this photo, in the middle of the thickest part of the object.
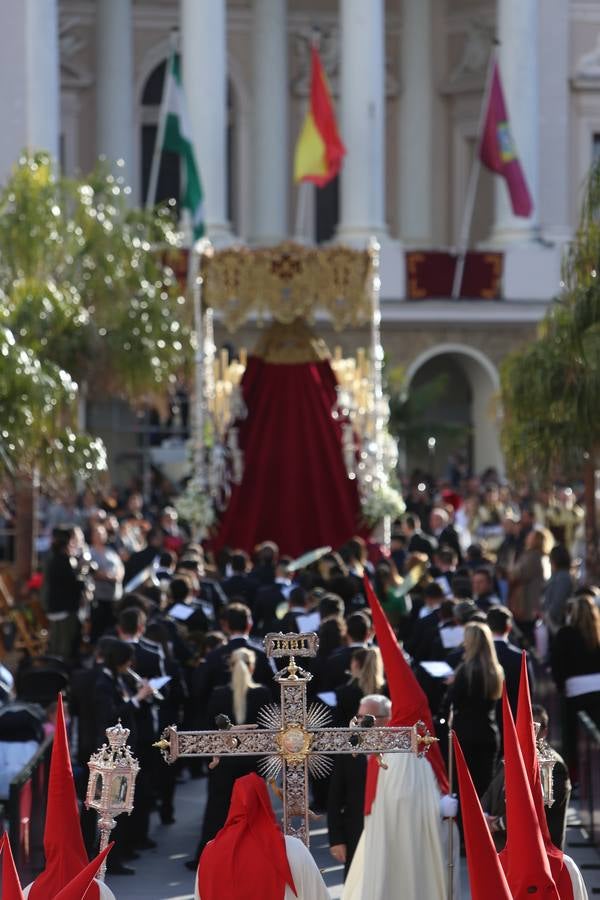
(292, 737)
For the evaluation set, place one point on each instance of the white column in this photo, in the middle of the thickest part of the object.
(114, 85)
(204, 51)
(362, 119)
(30, 90)
(415, 138)
(43, 81)
(270, 139)
(555, 133)
(518, 55)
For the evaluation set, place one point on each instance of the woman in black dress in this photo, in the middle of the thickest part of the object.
(474, 691)
(575, 659)
(241, 701)
(366, 677)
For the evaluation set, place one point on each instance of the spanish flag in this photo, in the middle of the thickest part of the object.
(319, 151)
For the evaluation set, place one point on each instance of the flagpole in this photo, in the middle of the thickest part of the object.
(162, 124)
(467, 218)
(302, 210)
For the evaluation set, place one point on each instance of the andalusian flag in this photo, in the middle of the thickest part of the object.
(319, 151)
(177, 137)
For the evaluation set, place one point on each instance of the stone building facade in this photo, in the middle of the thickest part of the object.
(83, 78)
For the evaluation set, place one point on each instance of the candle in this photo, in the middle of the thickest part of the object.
(243, 356)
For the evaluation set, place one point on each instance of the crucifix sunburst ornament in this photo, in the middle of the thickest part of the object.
(294, 739)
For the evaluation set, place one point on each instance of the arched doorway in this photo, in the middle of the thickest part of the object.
(454, 388)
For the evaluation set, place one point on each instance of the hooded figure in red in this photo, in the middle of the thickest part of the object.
(526, 736)
(409, 703)
(79, 888)
(524, 859)
(247, 860)
(486, 876)
(11, 886)
(63, 842)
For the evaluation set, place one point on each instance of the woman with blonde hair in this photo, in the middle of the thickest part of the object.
(366, 677)
(240, 701)
(473, 693)
(575, 659)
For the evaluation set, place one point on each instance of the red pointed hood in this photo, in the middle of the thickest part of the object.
(248, 850)
(11, 886)
(526, 737)
(409, 703)
(524, 858)
(486, 875)
(63, 841)
(79, 888)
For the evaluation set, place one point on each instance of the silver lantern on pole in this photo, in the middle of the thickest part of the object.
(546, 761)
(111, 783)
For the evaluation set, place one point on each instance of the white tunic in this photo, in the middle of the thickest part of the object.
(400, 850)
(579, 888)
(307, 878)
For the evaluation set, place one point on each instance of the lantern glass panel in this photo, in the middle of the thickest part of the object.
(119, 790)
(98, 788)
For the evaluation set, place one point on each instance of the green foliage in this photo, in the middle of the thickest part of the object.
(551, 388)
(36, 410)
(85, 294)
(82, 278)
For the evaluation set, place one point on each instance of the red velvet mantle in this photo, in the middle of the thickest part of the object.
(295, 490)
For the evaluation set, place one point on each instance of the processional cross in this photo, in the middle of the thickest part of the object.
(292, 737)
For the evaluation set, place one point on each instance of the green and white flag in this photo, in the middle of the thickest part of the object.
(177, 137)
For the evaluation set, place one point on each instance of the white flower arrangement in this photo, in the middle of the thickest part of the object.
(381, 501)
(196, 507)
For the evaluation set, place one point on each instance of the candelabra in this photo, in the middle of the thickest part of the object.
(111, 783)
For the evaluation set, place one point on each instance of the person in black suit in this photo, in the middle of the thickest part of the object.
(114, 697)
(444, 531)
(239, 585)
(269, 595)
(346, 797)
(358, 629)
(148, 661)
(423, 641)
(240, 701)
(500, 620)
(298, 606)
(141, 560)
(214, 671)
(418, 541)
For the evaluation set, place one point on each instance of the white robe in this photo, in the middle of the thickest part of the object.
(579, 888)
(105, 891)
(400, 852)
(305, 872)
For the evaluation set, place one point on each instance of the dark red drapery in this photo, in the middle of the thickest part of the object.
(295, 490)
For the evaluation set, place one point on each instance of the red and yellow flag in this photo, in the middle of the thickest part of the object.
(319, 151)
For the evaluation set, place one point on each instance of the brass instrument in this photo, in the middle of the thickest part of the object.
(140, 681)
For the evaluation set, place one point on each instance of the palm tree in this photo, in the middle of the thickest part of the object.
(551, 388)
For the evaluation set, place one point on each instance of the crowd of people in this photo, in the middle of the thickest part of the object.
(147, 626)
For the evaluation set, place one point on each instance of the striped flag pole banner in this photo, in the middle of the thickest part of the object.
(319, 150)
(174, 134)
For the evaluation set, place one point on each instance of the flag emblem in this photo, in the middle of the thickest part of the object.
(506, 143)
